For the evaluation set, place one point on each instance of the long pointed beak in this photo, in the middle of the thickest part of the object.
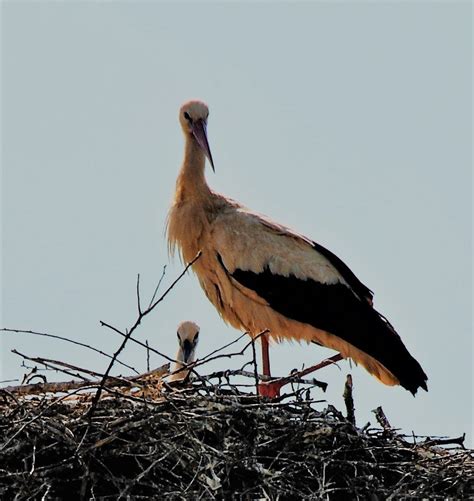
(199, 132)
(188, 349)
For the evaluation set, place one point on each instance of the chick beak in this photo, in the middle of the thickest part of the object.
(188, 349)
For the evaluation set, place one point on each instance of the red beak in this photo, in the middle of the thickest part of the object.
(199, 132)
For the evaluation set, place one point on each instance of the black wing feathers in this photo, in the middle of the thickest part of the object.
(336, 309)
(356, 285)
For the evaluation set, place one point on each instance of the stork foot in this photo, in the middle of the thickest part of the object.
(270, 389)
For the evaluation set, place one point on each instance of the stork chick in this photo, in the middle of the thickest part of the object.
(261, 275)
(188, 337)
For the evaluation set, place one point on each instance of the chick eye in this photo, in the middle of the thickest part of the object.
(196, 336)
(178, 336)
(186, 116)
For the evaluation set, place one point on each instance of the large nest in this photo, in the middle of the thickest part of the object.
(109, 437)
(201, 441)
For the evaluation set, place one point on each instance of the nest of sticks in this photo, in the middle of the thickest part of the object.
(101, 436)
(209, 440)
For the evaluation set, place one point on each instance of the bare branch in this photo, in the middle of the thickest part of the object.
(382, 419)
(65, 386)
(130, 332)
(78, 343)
(348, 400)
(147, 355)
(255, 369)
(138, 295)
(48, 363)
(158, 285)
(446, 441)
(136, 341)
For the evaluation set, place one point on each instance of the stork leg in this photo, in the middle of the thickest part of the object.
(272, 388)
(268, 388)
(265, 356)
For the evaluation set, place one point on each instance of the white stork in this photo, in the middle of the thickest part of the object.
(188, 337)
(261, 275)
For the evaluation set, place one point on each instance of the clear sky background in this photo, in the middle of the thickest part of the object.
(350, 122)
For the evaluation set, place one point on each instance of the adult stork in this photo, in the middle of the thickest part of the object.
(261, 275)
(188, 337)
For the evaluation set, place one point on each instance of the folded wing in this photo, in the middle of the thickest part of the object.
(305, 282)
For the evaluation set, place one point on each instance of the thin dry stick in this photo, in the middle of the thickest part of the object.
(138, 295)
(208, 358)
(136, 341)
(49, 363)
(348, 400)
(37, 388)
(255, 369)
(261, 377)
(54, 336)
(446, 441)
(158, 285)
(147, 355)
(65, 386)
(226, 346)
(382, 419)
(130, 332)
(288, 379)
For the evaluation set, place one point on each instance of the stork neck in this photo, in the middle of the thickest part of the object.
(191, 181)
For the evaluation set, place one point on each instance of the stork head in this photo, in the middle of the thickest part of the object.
(188, 336)
(193, 119)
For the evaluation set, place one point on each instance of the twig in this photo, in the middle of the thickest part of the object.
(54, 336)
(158, 285)
(130, 332)
(255, 369)
(136, 341)
(48, 361)
(33, 376)
(147, 355)
(9, 381)
(34, 389)
(65, 386)
(209, 358)
(446, 441)
(382, 419)
(248, 374)
(280, 382)
(138, 295)
(348, 400)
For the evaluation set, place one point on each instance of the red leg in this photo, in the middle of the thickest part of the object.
(267, 389)
(265, 356)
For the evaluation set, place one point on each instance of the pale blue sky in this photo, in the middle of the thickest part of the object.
(350, 122)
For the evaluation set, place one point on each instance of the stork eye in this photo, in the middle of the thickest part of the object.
(186, 116)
